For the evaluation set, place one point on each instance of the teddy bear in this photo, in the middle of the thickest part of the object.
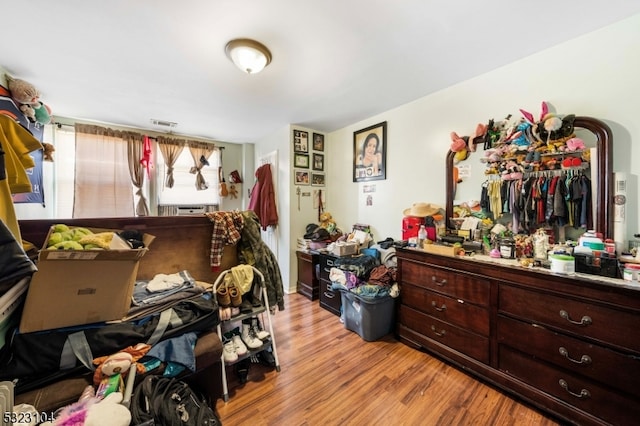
(48, 151)
(22, 91)
(327, 222)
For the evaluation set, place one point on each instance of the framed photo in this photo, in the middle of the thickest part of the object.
(369, 153)
(300, 141)
(318, 142)
(301, 160)
(301, 177)
(317, 179)
(318, 162)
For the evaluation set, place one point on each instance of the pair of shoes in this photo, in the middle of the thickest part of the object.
(233, 347)
(257, 329)
(249, 337)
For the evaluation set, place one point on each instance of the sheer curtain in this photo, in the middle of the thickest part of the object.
(102, 182)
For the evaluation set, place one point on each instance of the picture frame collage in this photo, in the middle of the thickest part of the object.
(308, 159)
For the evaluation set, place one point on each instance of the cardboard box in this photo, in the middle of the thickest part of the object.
(76, 287)
(440, 249)
(346, 248)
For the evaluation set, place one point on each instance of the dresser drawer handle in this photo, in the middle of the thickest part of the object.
(586, 320)
(329, 295)
(585, 359)
(582, 395)
(438, 308)
(440, 333)
(436, 282)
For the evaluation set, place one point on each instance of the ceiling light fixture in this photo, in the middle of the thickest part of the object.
(248, 55)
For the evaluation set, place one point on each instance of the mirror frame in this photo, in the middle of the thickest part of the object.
(603, 221)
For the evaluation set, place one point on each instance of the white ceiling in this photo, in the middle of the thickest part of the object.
(335, 62)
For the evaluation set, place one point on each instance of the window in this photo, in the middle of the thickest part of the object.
(184, 189)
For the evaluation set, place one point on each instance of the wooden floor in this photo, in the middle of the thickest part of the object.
(330, 376)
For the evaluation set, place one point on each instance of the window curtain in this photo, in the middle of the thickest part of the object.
(102, 182)
(170, 149)
(200, 152)
(135, 148)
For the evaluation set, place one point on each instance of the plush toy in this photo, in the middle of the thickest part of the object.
(119, 362)
(327, 222)
(479, 137)
(22, 92)
(42, 113)
(233, 192)
(459, 146)
(575, 144)
(94, 412)
(28, 112)
(48, 151)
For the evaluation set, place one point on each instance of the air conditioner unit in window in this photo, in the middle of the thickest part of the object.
(189, 210)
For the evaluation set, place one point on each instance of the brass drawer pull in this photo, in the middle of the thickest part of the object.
(586, 320)
(439, 334)
(585, 359)
(437, 308)
(436, 282)
(582, 395)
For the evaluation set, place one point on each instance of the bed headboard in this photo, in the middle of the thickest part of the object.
(182, 242)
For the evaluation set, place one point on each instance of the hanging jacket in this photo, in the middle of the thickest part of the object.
(263, 200)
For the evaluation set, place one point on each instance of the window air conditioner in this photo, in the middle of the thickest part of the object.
(189, 210)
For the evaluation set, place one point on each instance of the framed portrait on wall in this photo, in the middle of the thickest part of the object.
(301, 160)
(318, 162)
(317, 179)
(318, 142)
(301, 177)
(300, 141)
(369, 153)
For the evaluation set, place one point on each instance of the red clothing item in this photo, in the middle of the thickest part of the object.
(263, 198)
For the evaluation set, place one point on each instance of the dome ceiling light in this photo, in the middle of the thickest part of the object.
(248, 55)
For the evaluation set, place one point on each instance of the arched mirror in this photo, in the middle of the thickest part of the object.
(595, 133)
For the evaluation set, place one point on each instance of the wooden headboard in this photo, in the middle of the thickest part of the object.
(181, 243)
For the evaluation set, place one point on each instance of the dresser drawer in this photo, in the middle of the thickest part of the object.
(459, 285)
(329, 299)
(445, 308)
(612, 407)
(593, 361)
(463, 341)
(579, 317)
(326, 263)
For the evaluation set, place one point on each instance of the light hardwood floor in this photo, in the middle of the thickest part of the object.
(330, 376)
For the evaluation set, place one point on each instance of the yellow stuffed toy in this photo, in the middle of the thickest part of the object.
(327, 222)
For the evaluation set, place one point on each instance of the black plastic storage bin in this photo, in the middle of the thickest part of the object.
(370, 317)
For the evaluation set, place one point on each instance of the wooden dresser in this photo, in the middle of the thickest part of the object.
(308, 284)
(567, 344)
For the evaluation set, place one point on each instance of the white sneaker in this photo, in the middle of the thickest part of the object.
(249, 337)
(229, 351)
(241, 349)
(255, 327)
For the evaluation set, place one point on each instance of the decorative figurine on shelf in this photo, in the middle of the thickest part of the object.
(540, 244)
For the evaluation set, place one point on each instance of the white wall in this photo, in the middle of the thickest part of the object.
(594, 75)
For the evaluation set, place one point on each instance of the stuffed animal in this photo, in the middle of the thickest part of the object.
(22, 92)
(42, 113)
(459, 146)
(327, 222)
(94, 412)
(233, 192)
(119, 362)
(48, 151)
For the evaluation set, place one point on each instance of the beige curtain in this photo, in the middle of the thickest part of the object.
(170, 149)
(200, 151)
(135, 142)
(102, 183)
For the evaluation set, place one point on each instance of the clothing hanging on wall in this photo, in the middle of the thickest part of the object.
(263, 199)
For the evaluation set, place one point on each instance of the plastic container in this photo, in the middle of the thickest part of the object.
(562, 264)
(508, 248)
(422, 235)
(370, 317)
(631, 273)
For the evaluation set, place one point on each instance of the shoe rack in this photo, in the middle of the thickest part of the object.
(229, 324)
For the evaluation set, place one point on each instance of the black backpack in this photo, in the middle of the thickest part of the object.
(165, 401)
